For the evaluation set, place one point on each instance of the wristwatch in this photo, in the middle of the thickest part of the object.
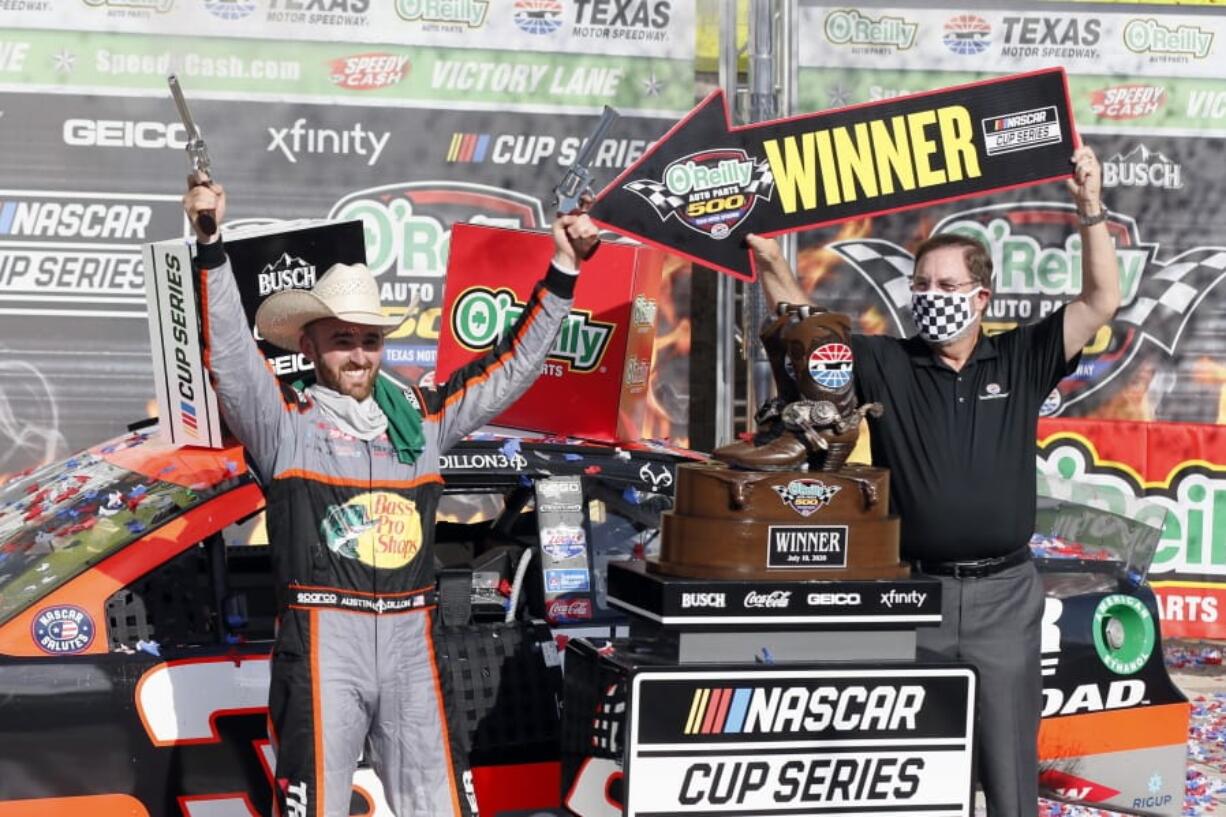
(1097, 218)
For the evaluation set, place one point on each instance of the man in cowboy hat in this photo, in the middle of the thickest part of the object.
(350, 468)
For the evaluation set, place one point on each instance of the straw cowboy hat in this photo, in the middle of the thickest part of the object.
(346, 291)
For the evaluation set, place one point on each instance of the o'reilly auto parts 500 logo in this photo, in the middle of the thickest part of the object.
(482, 316)
(806, 496)
(711, 191)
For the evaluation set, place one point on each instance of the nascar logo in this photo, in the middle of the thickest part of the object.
(766, 710)
(830, 365)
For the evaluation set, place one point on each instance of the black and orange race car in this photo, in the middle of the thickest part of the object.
(137, 616)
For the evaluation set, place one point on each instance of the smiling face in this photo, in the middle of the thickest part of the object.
(346, 355)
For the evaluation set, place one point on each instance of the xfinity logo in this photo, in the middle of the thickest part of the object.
(703, 600)
(1142, 168)
(775, 600)
(912, 598)
(299, 139)
(120, 133)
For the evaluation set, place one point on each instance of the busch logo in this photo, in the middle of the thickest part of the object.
(850, 27)
(481, 317)
(806, 496)
(911, 598)
(703, 600)
(711, 192)
(469, 13)
(370, 71)
(1142, 168)
(774, 600)
(287, 272)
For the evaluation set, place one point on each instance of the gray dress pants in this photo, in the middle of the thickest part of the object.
(994, 624)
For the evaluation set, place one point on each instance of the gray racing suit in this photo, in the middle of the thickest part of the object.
(352, 531)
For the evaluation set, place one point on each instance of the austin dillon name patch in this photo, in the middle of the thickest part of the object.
(806, 546)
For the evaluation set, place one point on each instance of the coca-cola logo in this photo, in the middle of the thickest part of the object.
(775, 599)
(569, 609)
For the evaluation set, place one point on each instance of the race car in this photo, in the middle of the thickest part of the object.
(137, 617)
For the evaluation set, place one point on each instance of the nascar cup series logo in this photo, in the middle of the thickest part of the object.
(481, 317)
(63, 630)
(379, 529)
(711, 192)
(806, 496)
(830, 366)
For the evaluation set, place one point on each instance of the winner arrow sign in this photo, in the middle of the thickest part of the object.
(705, 185)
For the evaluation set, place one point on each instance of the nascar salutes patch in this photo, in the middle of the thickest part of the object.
(806, 496)
(711, 191)
(63, 630)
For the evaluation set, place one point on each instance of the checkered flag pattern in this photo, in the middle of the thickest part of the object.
(888, 268)
(610, 715)
(1167, 298)
(763, 181)
(657, 195)
(942, 315)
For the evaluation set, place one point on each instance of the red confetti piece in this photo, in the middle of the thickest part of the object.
(592, 469)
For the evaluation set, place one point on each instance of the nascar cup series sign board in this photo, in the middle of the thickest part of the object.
(704, 185)
(857, 740)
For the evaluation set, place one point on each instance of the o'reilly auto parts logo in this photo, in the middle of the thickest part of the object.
(806, 496)
(711, 192)
(481, 317)
(865, 34)
(444, 14)
(1167, 43)
(369, 71)
(1142, 167)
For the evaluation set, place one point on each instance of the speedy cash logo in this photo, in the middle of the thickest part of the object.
(537, 16)
(1036, 252)
(481, 317)
(1124, 102)
(369, 71)
(711, 191)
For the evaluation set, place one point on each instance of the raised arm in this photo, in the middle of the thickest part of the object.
(1100, 274)
(779, 283)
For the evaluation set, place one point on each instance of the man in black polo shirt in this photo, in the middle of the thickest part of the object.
(958, 435)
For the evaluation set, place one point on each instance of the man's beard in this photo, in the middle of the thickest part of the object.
(343, 383)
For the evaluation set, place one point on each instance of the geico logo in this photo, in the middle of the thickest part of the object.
(702, 600)
(834, 599)
(816, 709)
(317, 598)
(1090, 698)
(121, 133)
(76, 220)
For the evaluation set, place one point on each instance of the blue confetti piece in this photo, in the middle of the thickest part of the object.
(72, 463)
(231, 466)
(572, 457)
(136, 526)
(510, 448)
(525, 481)
(110, 449)
(632, 495)
(139, 490)
(150, 647)
(90, 494)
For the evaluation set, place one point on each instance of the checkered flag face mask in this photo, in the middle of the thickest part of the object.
(942, 316)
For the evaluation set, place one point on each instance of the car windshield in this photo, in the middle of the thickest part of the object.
(60, 519)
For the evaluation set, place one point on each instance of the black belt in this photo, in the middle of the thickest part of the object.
(974, 569)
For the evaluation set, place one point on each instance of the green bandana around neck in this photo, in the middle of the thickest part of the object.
(403, 419)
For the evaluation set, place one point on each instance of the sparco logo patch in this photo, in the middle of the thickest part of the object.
(806, 496)
(711, 192)
(370, 71)
(63, 630)
(481, 317)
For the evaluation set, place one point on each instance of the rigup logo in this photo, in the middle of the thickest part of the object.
(1124, 633)
(465, 13)
(1149, 36)
(806, 496)
(1051, 37)
(229, 9)
(63, 630)
(1022, 130)
(831, 365)
(369, 71)
(884, 34)
(299, 139)
(967, 34)
(909, 598)
(123, 133)
(774, 600)
(803, 710)
(642, 20)
(711, 192)
(1124, 102)
(1142, 167)
(481, 317)
(287, 272)
(717, 600)
(538, 16)
(379, 529)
